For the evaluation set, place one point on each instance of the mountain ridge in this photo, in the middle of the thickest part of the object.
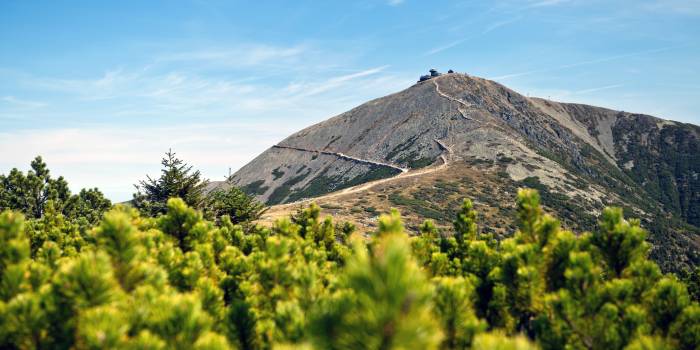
(593, 156)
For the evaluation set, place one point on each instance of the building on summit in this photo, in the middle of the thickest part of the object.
(433, 73)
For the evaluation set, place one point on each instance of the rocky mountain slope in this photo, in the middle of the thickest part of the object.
(454, 135)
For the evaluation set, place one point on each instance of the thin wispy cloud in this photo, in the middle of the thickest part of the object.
(683, 7)
(596, 89)
(545, 3)
(395, 2)
(13, 101)
(180, 85)
(445, 47)
(307, 90)
(154, 92)
(359, 74)
(242, 55)
(179, 95)
(491, 27)
(131, 153)
(211, 147)
(111, 84)
(584, 63)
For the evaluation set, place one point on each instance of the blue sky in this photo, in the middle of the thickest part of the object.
(102, 89)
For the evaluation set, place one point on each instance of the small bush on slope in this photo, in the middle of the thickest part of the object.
(178, 281)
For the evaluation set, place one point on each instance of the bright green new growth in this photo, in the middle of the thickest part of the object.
(179, 281)
(381, 301)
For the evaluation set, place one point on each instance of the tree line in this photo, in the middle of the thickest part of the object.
(36, 192)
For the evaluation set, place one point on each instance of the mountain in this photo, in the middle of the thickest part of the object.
(453, 136)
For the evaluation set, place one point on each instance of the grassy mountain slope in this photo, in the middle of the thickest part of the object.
(453, 136)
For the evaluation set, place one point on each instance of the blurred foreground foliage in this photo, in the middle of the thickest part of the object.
(180, 281)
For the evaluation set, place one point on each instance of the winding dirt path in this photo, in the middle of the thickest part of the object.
(405, 173)
(437, 89)
(465, 104)
(491, 123)
(368, 185)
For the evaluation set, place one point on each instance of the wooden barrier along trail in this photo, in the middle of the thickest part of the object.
(344, 156)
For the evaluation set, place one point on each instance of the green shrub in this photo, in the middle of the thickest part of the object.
(179, 281)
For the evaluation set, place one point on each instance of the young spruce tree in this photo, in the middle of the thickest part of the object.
(177, 180)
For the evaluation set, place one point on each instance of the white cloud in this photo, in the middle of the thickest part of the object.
(178, 94)
(113, 159)
(544, 3)
(489, 28)
(569, 95)
(395, 2)
(239, 56)
(216, 107)
(15, 102)
(109, 130)
(584, 63)
(683, 7)
(315, 88)
(445, 47)
(596, 89)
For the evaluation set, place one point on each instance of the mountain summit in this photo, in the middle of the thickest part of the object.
(454, 135)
